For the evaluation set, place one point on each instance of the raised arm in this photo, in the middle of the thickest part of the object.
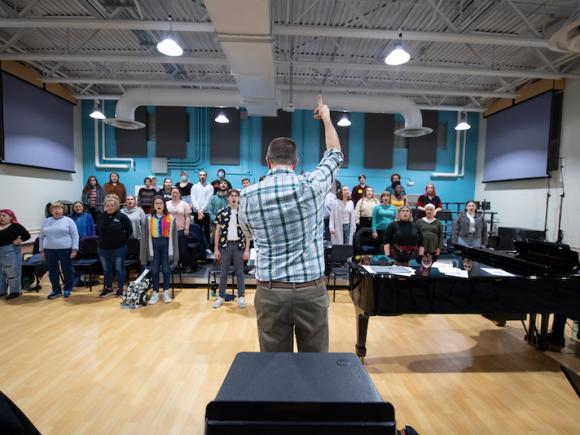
(322, 112)
(325, 174)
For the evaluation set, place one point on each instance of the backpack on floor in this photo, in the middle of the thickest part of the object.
(135, 295)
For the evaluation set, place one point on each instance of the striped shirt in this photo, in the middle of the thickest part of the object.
(284, 213)
(160, 227)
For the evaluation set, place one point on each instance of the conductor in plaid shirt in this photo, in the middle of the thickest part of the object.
(285, 215)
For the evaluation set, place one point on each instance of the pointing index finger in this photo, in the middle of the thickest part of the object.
(320, 102)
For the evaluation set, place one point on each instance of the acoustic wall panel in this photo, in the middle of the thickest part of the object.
(273, 127)
(343, 137)
(225, 138)
(171, 132)
(133, 143)
(422, 153)
(379, 140)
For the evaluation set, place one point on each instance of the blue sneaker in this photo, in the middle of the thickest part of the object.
(53, 295)
(66, 294)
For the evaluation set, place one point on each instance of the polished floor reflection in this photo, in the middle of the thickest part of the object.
(85, 366)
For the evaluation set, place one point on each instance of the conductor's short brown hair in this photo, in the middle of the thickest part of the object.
(282, 151)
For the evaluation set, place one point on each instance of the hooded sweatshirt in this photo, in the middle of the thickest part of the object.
(137, 216)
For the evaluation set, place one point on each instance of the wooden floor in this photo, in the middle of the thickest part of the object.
(84, 366)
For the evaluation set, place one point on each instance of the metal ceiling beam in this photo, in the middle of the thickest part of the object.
(137, 81)
(401, 91)
(113, 58)
(190, 60)
(430, 69)
(314, 87)
(103, 24)
(459, 38)
(420, 106)
(277, 29)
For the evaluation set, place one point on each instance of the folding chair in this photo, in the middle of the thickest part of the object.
(87, 257)
(212, 279)
(339, 255)
(34, 265)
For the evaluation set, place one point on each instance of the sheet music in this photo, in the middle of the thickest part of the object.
(496, 272)
(368, 269)
(442, 265)
(391, 270)
(453, 271)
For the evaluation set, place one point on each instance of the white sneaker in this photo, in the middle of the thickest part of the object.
(154, 298)
(166, 297)
(242, 302)
(218, 302)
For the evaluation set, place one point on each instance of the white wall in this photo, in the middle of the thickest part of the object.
(27, 190)
(523, 203)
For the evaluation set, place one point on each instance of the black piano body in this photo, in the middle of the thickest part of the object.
(430, 291)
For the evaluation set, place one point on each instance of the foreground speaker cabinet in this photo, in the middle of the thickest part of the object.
(306, 393)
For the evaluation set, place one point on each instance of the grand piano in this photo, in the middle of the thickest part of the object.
(540, 279)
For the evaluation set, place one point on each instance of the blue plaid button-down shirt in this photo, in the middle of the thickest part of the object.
(285, 215)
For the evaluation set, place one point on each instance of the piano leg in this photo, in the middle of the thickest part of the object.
(538, 338)
(543, 338)
(362, 324)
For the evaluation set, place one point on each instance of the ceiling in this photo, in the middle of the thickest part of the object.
(463, 53)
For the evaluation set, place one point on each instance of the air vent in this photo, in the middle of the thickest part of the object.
(413, 132)
(123, 123)
(567, 39)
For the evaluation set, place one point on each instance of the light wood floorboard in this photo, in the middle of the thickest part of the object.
(84, 366)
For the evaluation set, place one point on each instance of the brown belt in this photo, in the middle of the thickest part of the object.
(292, 285)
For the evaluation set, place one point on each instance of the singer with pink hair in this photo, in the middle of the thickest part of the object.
(12, 234)
(429, 197)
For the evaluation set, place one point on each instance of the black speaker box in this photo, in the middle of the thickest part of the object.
(298, 393)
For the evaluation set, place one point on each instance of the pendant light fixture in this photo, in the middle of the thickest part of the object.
(463, 125)
(398, 55)
(96, 113)
(168, 46)
(344, 121)
(222, 118)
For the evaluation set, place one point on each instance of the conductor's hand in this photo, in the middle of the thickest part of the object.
(216, 254)
(375, 235)
(322, 111)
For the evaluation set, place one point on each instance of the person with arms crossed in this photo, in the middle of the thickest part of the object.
(284, 214)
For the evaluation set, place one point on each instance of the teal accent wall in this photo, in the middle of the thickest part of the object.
(306, 133)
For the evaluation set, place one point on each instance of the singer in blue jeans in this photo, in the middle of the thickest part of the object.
(159, 246)
(59, 243)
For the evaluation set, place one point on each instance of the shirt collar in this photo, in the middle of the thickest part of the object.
(280, 171)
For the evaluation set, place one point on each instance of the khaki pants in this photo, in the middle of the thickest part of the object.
(281, 312)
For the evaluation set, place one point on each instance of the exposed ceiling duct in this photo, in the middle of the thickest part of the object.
(244, 31)
(373, 104)
(567, 39)
(133, 98)
(125, 110)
